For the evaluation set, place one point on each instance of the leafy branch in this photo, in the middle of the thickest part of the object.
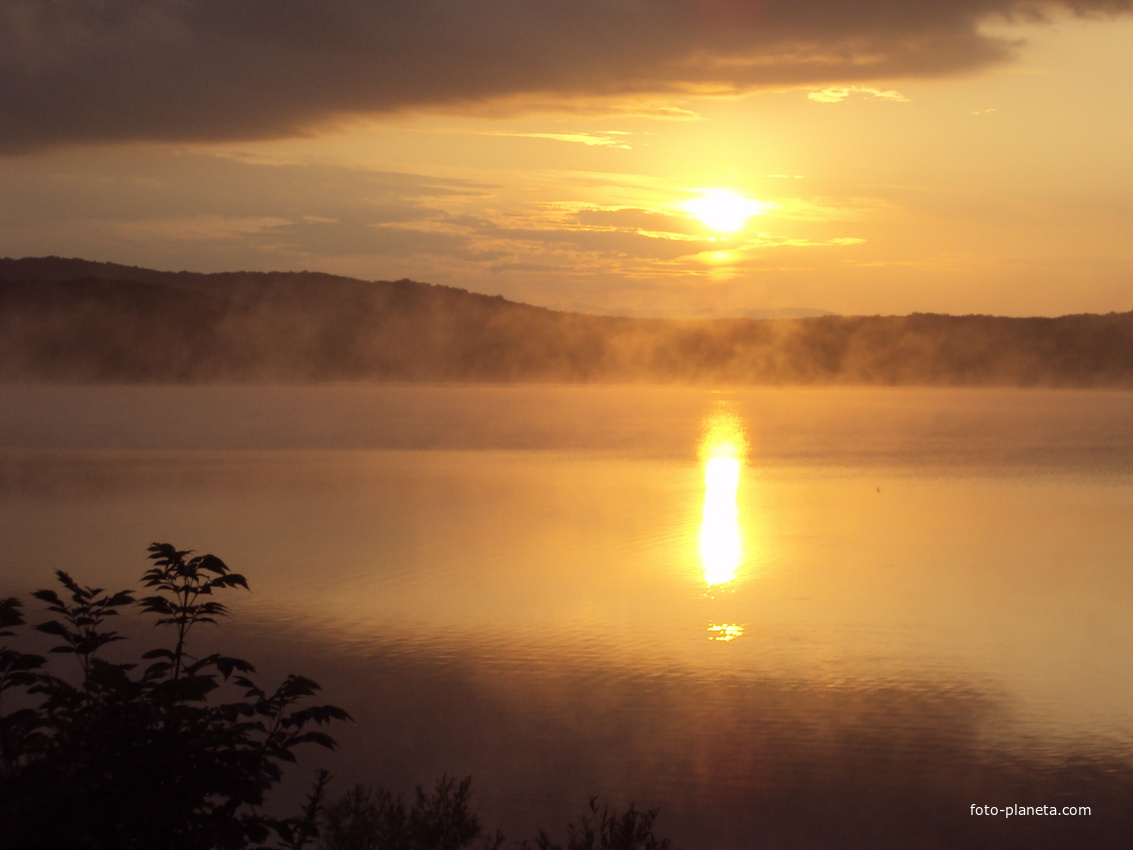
(123, 758)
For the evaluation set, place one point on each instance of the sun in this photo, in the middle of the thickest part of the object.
(722, 210)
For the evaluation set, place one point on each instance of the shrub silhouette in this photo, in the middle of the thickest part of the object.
(605, 828)
(133, 757)
(373, 819)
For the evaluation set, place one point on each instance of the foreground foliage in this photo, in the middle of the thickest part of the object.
(177, 753)
(605, 828)
(373, 819)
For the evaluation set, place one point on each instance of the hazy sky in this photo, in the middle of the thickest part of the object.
(897, 155)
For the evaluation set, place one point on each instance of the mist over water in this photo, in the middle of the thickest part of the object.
(994, 430)
(792, 618)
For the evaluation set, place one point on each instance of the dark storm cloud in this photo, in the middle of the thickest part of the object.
(98, 70)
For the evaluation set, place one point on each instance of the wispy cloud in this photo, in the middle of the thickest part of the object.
(836, 94)
(608, 139)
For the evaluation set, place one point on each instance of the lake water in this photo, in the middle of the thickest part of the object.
(788, 618)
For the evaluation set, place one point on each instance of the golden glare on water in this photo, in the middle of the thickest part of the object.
(723, 210)
(725, 631)
(723, 449)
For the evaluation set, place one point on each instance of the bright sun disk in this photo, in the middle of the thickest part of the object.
(723, 210)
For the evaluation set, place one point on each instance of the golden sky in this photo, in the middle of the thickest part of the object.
(961, 156)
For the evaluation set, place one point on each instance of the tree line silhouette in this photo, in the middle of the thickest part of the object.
(72, 320)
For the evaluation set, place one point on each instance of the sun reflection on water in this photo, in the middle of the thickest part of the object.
(724, 631)
(723, 449)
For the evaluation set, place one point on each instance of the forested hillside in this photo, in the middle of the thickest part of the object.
(77, 321)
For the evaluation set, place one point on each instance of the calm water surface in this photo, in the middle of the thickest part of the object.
(788, 618)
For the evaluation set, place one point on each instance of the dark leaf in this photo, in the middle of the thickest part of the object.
(226, 665)
(48, 596)
(10, 614)
(212, 564)
(159, 668)
(320, 738)
(53, 627)
(122, 597)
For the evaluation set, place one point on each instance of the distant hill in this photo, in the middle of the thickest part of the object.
(67, 320)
